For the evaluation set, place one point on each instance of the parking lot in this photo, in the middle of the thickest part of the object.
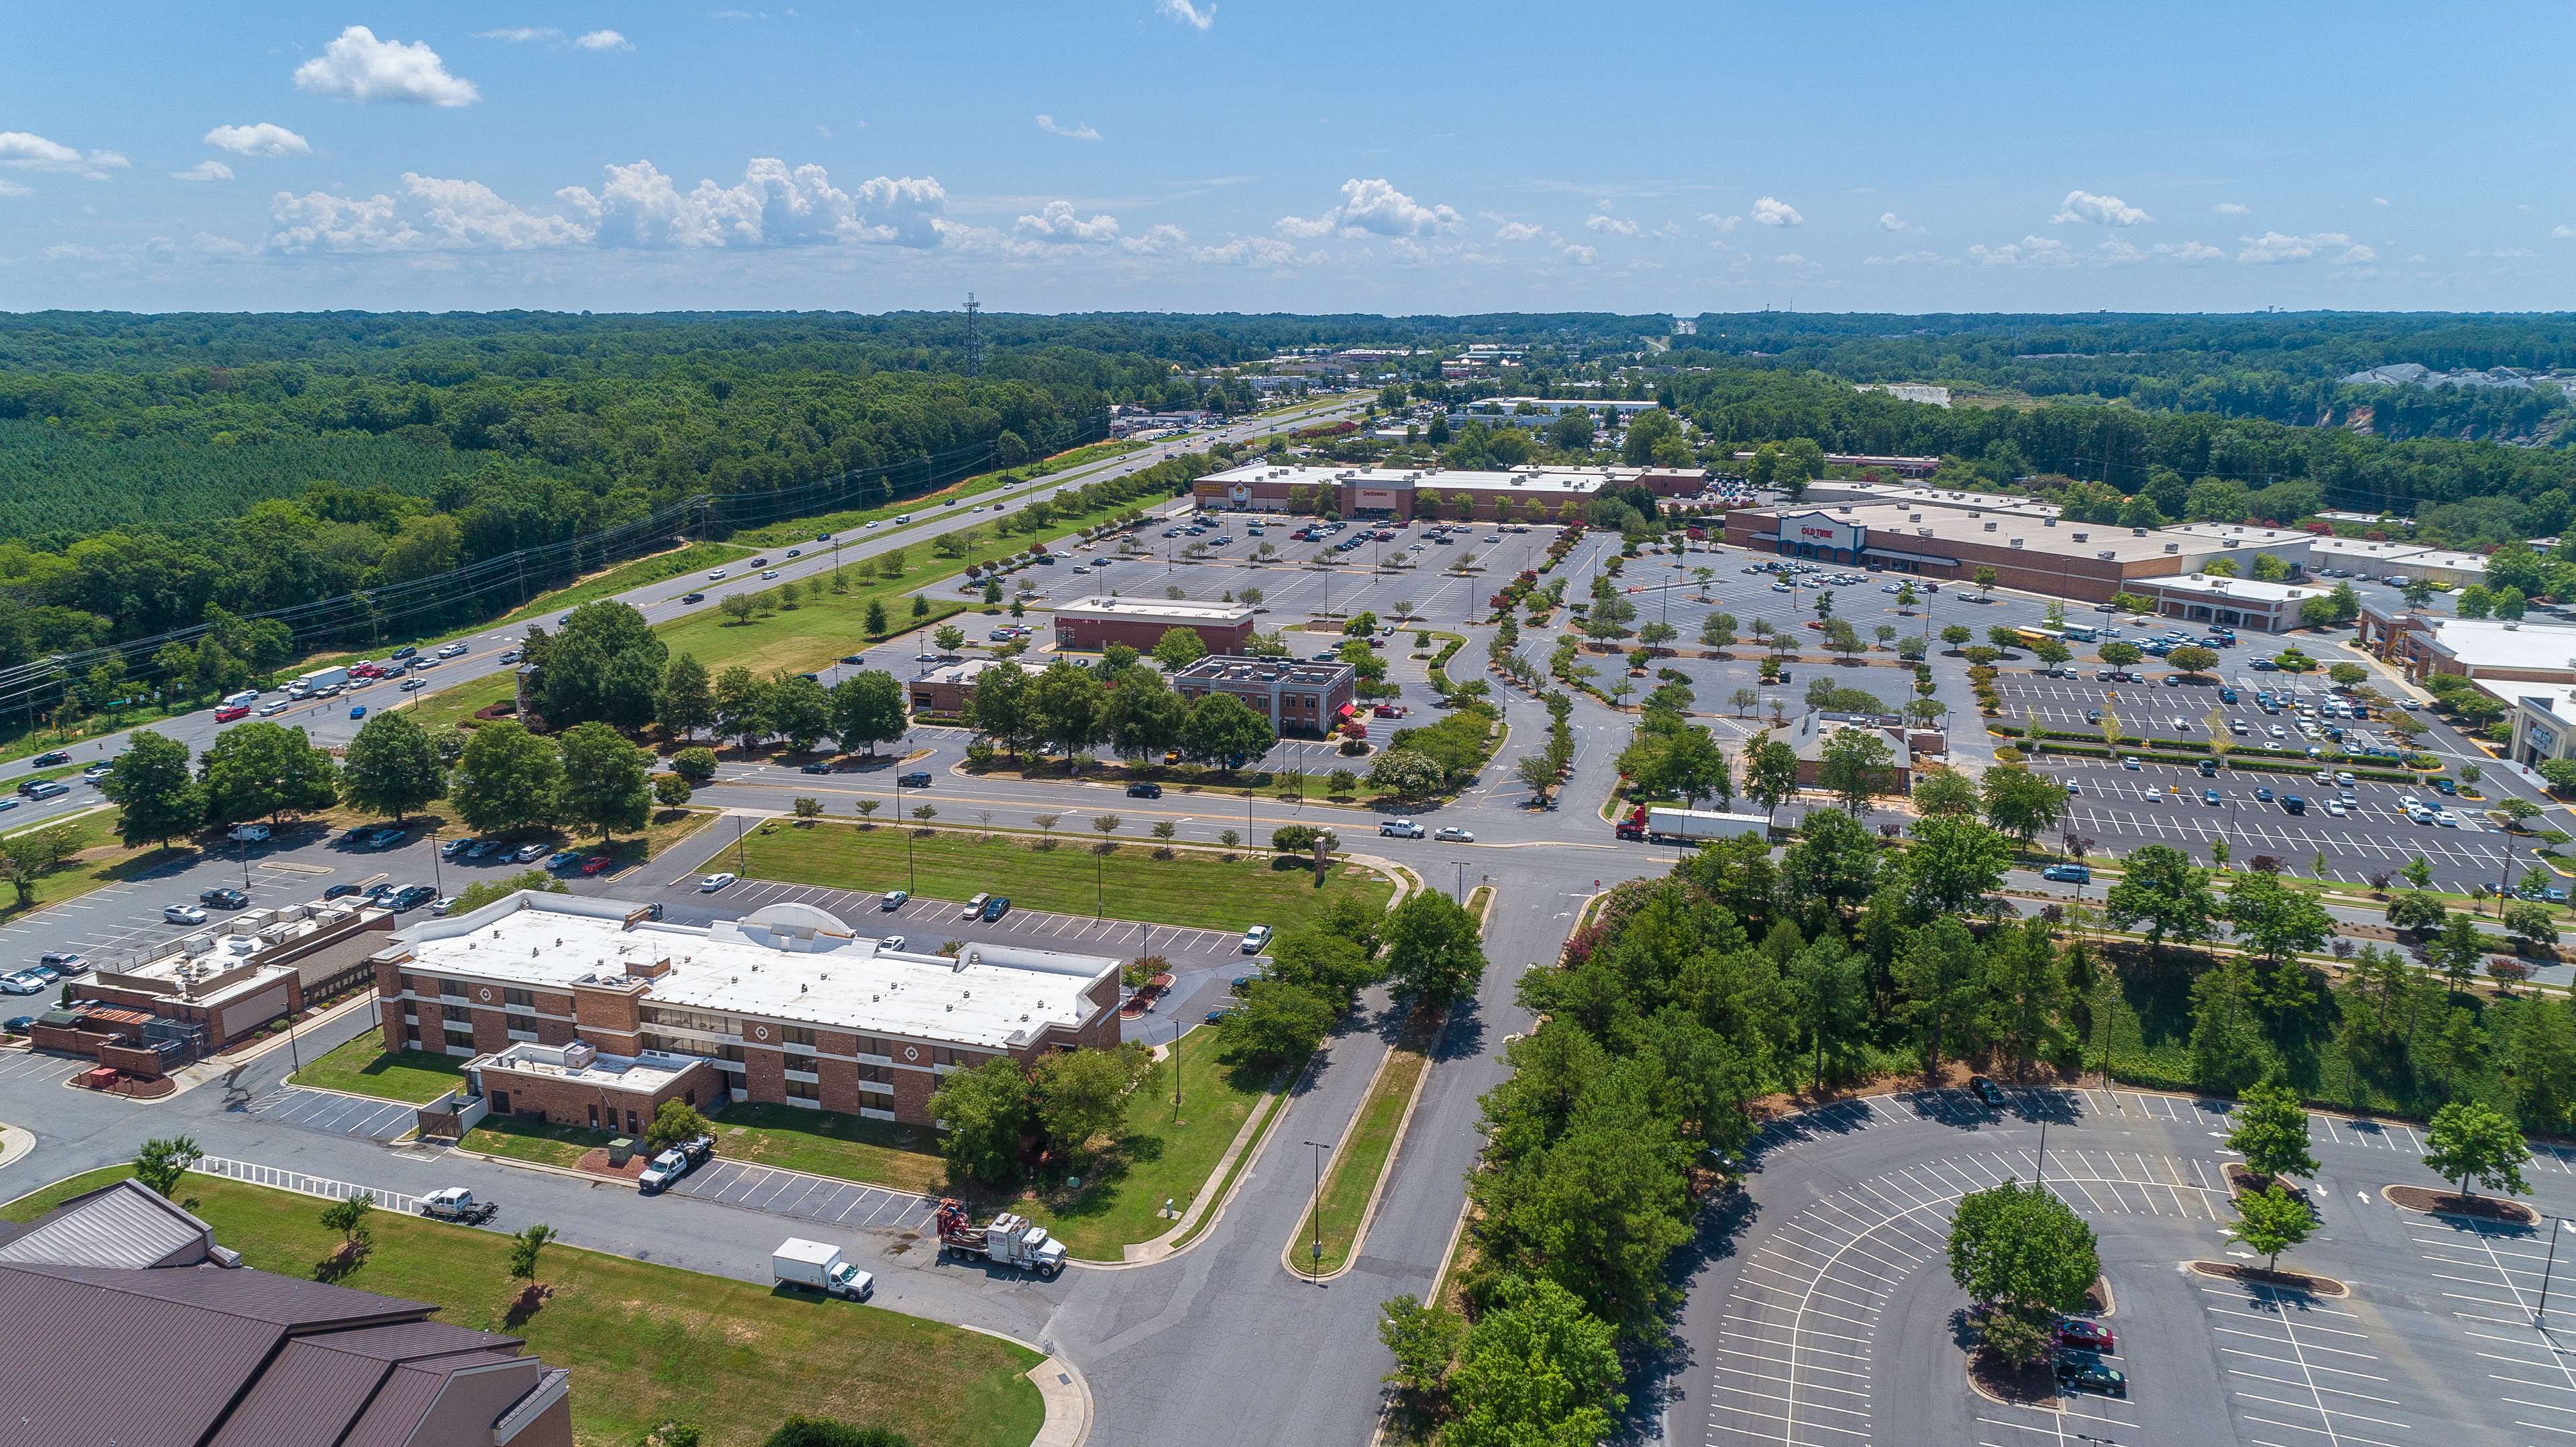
(804, 1197)
(1839, 1324)
(335, 1114)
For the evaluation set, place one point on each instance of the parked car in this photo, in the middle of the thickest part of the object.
(892, 944)
(894, 899)
(2067, 874)
(596, 864)
(183, 914)
(1451, 833)
(339, 891)
(975, 907)
(526, 852)
(1256, 939)
(224, 899)
(996, 907)
(716, 881)
(2086, 1372)
(411, 897)
(24, 982)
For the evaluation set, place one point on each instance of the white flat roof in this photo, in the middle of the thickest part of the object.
(2385, 552)
(787, 962)
(1921, 494)
(1901, 526)
(2494, 643)
(1102, 606)
(1569, 481)
(2244, 534)
(2241, 590)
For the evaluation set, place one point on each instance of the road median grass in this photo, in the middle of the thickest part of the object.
(647, 1343)
(1198, 888)
(96, 859)
(1365, 1153)
(1153, 1159)
(361, 1067)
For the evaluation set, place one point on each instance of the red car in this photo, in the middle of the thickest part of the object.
(227, 715)
(595, 863)
(2083, 1335)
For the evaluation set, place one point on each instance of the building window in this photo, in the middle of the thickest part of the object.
(796, 1035)
(803, 1089)
(518, 999)
(459, 1036)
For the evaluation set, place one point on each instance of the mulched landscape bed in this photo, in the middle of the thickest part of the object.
(2032, 1384)
(2299, 1281)
(2452, 1203)
(2241, 1181)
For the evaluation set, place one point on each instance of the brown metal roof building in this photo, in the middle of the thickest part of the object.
(134, 1328)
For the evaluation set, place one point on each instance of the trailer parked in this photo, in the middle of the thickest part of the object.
(1008, 1239)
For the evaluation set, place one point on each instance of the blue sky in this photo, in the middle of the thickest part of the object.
(1262, 155)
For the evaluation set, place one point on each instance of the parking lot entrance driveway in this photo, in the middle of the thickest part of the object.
(335, 1114)
(805, 1197)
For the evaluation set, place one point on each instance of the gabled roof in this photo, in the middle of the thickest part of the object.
(123, 1224)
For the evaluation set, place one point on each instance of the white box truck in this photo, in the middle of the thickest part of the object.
(1667, 825)
(320, 679)
(817, 1266)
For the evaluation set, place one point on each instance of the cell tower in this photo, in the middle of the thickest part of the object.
(974, 340)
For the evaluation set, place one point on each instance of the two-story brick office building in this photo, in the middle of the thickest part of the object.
(586, 1012)
(1297, 698)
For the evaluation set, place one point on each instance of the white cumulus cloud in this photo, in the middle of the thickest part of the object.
(357, 66)
(1890, 221)
(1911, 258)
(212, 245)
(1049, 125)
(2084, 206)
(1186, 13)
(636, 207)
(1576, 255)
(1771, 211)
(602, 40)
(26, 151)
(2232, 208)
(204, 171)
(258, 139)
(1524, 230)
(520, 34)
(2272, 248)
(1721, 224)
(2188, 253)
(2042, 251)
(1251, 251)
(1611, 225)
(1373, 208)
(12, 188)
(1058, 222)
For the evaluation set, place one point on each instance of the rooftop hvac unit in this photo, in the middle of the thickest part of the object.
(1990, 527)
(1976, 513)
(2048, 522)
(2224, 542)
(1914, 517)
(580, 1055)
(2173, 547)
(2512, 627)
(2106, 555)
(1923, 532)
(2137, 532)
(2079, 537)
(2016, 542)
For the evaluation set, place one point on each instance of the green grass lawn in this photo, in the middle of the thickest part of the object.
(846, 1147)
(1153, 1159)
(1191, 888)
(362, 1067)
(649, 1343)
(99, 862)
(797, 530)
(1352, 1177)
(696, 557)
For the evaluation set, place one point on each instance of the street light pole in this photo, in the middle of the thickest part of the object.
(2546, 1271)
(437, 876)
(1315, 1265)
(1176, 1071)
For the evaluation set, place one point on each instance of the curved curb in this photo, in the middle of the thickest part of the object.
(2325, 1286)
(1968, 1369)
(2528, 1218)
(1061, 1386)
(16, 1144)
(1205, 1210)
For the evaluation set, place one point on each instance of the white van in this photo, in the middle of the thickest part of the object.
(237, 700)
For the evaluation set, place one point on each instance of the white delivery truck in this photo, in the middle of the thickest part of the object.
(817, 1266)
(1668, 825)
(320, 679)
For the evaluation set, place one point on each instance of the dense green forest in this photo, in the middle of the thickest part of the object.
(2278, 367)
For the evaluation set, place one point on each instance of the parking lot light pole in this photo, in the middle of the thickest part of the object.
(436, 874)
(2541, 1314)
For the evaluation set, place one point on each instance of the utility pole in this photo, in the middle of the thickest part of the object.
(974, 339)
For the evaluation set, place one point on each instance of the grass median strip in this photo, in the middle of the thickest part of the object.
(1363, 1158)
(647, 1343)
(1192, 887)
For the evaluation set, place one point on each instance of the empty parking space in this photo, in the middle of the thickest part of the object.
(804, 1197)
(2491, 1276)
(334, 1114)
(35, 1065)
(2300, 1369)
(934, 920)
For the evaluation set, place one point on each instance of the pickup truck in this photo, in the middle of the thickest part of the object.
(456, 1203)
(672, 1164)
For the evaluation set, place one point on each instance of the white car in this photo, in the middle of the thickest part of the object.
(772, 573)
(2181, 725)
(717, 576)
(453, 650)
(891, 943)
(2409, 803)
(1256, 939)
(2446, 818)
(2075, 786)
(1452, 834)
(2336, 808)
(2276, 732)
(442, 904)
(249, 833)
(183, 914)
(714, 882)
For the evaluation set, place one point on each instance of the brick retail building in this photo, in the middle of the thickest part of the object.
(1527, 494)
(588, 1013)
(1089, 625)
(1297, 698)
